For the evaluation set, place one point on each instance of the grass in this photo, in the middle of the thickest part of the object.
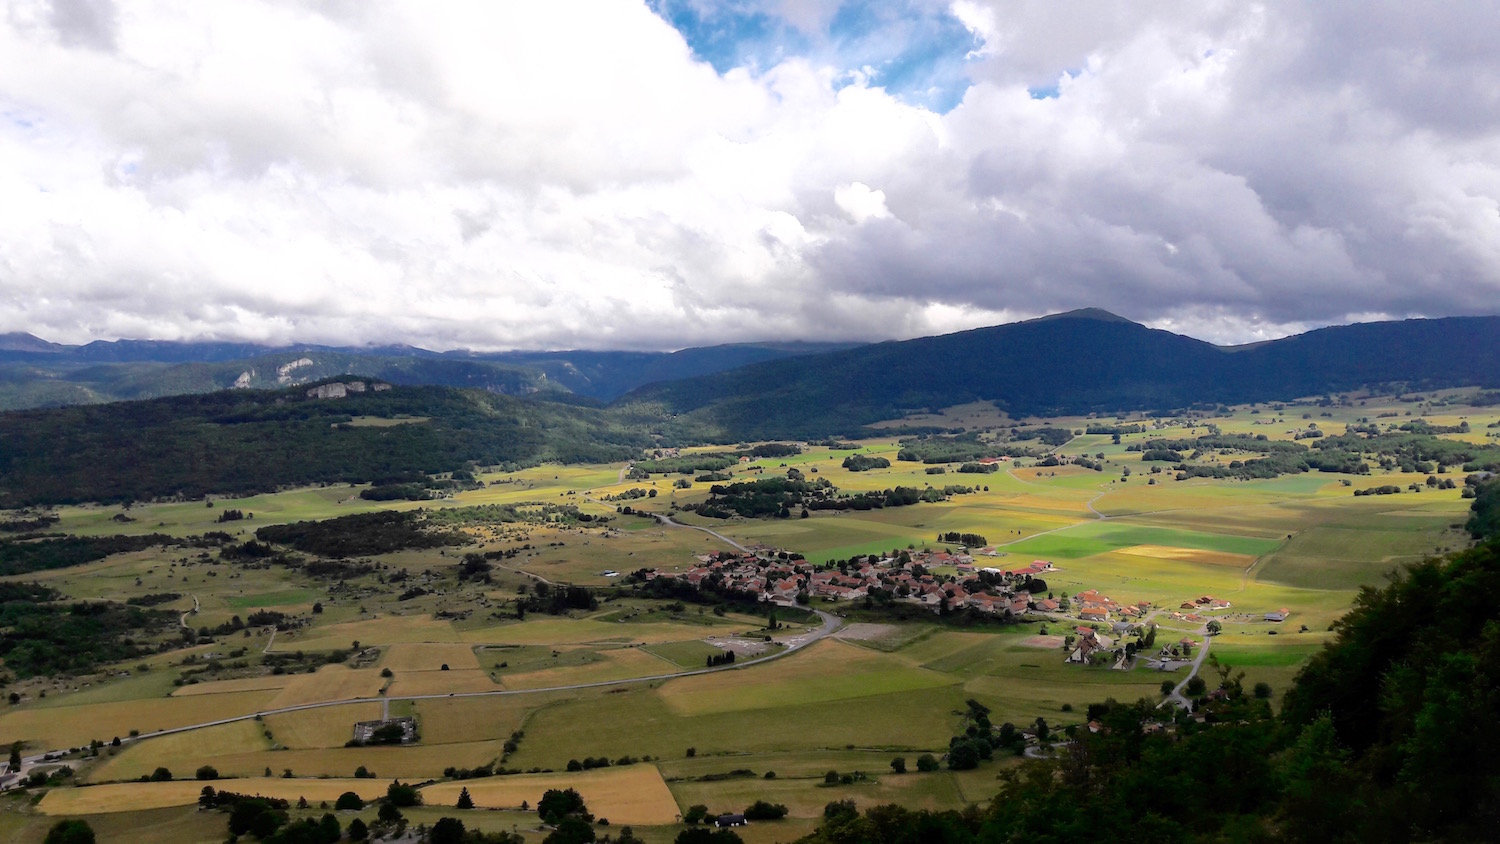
(331, 682)
(429, 657)
(692, 654)
(462, 720)
(315, 728)
(826, 671)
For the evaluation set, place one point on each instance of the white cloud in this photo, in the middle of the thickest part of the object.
(861, 203)
(567, 174)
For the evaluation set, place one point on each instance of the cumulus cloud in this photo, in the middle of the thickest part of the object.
(579, 174)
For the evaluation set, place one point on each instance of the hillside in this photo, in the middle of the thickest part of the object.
(243, 441)
(1075, 363)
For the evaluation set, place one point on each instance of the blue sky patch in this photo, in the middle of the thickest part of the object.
(913, 50)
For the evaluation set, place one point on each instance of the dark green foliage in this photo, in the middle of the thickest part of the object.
(707, 462)
(760, 810)
(571, 829)
(244, 441)
(1485, 521)
(38, 637)
(862, 463)
(24, 557)
(358, 831)
(153, 599)
(557, 804)
(1051, 436)
(447, 831)
(969, 540)
(349, 801)
(465, 801)
(360, 534)
(70, 831)
(702, 835)
(402, 796)
(963, 448)
(1388, 735)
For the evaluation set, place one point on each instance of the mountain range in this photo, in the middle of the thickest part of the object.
(38, 373)
(1074, 363)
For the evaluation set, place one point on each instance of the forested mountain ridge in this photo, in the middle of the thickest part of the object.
(243, 441)
(1075, 363)
(36, 373)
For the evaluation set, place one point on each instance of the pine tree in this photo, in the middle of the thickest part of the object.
(464, 800)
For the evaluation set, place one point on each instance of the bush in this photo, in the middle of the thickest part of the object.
(1263, 690)
(70, 831)
(1166, 687)
(927, 763)
(207, 772)
(695, 814)
(358, 831)
(161, 775)
(760, 810)
(349, 801)
(402, 796)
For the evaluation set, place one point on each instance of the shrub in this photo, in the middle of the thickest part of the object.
(349, 801)
(760, 810)
(70, 831)
(207, 772)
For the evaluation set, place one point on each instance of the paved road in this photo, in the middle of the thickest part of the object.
(794, 644)
(667, 520)
(1176, 696)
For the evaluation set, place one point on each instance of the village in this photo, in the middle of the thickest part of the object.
(950, 581)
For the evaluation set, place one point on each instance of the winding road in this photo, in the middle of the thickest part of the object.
(662, 518)
(830, 624)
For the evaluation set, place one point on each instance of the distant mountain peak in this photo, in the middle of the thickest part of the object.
(1096, 314)
(20, 341)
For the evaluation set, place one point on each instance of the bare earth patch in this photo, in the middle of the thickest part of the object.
(1049, 642)
(864, 632)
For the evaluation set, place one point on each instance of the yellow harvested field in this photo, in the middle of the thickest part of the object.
(388, 630)
(119, 797)
(471, 718)
(244, 684)
(146, 756)
(418, 761)
(635, 794)
(331, 682)
(70, 726)
(1190, 555)
(441, 682)
(429, 657)
(327, 727)
(618, 664)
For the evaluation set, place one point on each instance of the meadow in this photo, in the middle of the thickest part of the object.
(852, 702)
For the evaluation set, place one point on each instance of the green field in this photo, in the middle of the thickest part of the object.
(1302, 542)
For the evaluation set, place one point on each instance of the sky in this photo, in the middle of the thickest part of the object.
(659, 174)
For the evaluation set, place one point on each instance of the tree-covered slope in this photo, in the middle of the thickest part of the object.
(1075, 363)
(245, 441)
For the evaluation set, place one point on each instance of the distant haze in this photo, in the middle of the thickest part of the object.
(659, 175)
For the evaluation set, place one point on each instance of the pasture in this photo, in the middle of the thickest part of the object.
(880, 689)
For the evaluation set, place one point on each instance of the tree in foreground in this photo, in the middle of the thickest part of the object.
(446, 831)
(572, 829)
(358, 831)
(70, 831)
(703, 835)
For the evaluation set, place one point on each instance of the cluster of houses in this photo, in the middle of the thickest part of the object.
(905, 576)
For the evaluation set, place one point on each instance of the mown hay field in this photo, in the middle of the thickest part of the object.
(329, 726)
(633, 794)
(120, 797)
(331, 682)
(165, 751)
(70, 726)
(429, 657)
